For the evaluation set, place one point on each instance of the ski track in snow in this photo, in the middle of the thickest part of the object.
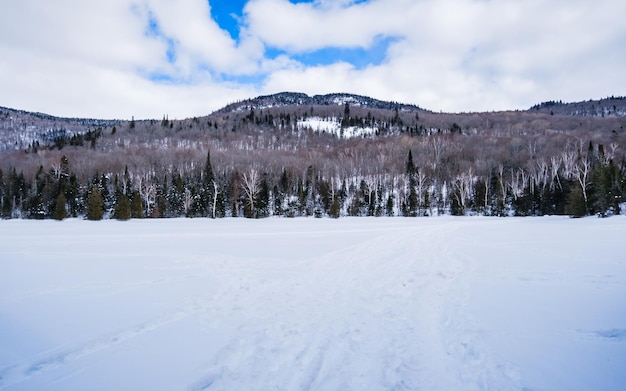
(20, 373)
(320, 346)
(391, 309)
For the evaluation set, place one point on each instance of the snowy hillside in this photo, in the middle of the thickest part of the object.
(333, 126)
(313, 304)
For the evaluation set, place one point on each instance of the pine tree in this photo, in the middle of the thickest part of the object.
(345, 122)
(60, 212)
(206, 195)
(7, 208)
(413, 201)
(263, 199)
(122, 208)
(95, 204)
(389, 206)
(136, 206)
(127, 184)
(74, 201)
(575, 205)
(65, 170)
(335, 207)
(410, 166)
(208, 176)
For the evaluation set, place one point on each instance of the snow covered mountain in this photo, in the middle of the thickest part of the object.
(22, 130)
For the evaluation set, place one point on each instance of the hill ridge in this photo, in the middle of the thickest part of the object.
(609, 106)
(287, 98)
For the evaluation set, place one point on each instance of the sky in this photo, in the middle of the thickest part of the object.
(185, 58)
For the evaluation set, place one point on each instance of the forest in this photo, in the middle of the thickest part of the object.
(326, 156)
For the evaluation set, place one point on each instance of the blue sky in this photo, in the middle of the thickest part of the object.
(227, 15)
(147, 58)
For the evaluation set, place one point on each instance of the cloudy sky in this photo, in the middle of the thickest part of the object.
(148, 58)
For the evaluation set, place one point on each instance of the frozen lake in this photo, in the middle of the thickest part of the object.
(314, 304)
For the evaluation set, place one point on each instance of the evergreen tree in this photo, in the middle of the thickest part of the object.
(34, 204)
(72, 193)
(284, 182)
(208, 176)
(575, 205)
(136, 206)
(95, 204)
(107, 197)
(122, 208)
(206, 194)
(176, 195)
(335, 207)
(479, 196)
(60, 212)
(14, 194)
(65, 170)
(127, 182)
(7, 208)
(412, 203)
(234, 195)
(263, 199)
(410, 166)
(160, 208)
(389, 206)
(345, 122)
(301, 197)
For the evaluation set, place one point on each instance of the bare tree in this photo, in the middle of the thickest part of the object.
(187, 201)
(438, 146)
(518, 181)
(502, 182)
(463, 186)
(581, 171)
(610, 153)
(251, 186)
(216, 192)
(147, 191)
(421, 187)
(555, 165)
(569, 163)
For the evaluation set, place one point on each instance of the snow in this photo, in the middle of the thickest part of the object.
(314, 304)
(333, 126)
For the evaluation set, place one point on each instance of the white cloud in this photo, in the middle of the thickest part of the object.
(102, 32)
(311, 26)
(77, 58)
(198, 40)
(461, 55)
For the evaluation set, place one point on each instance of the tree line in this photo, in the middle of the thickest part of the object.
(257, 163)
(583, 179)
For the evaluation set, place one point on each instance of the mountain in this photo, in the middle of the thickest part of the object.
(300, 99)
(20, 130)
(613, 106)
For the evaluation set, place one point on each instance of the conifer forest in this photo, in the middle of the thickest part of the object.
(325, 156)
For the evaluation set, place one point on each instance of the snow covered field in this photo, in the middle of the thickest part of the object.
(314, 304)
